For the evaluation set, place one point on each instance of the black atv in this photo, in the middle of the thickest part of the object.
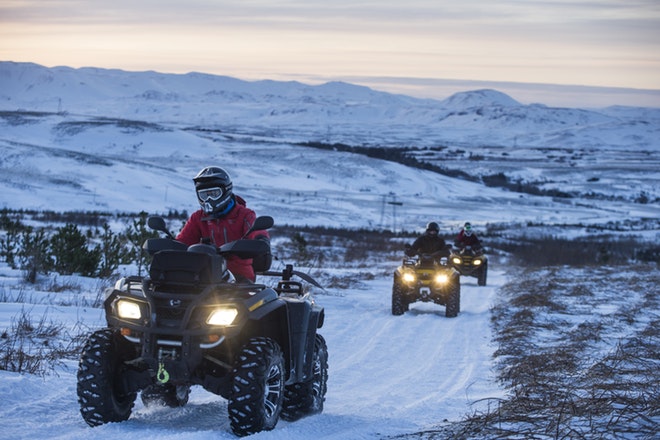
(190, 323)
(427, 278)
(469, 261)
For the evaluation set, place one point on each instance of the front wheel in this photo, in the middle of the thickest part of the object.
(399, 303)
(306, 398)
(481, 280)
(257, 387)
(100, 378)
(454, 300)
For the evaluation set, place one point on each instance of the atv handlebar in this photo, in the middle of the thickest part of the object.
(475, 250)
(288, 272)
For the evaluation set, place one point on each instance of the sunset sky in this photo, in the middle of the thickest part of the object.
(386, 44)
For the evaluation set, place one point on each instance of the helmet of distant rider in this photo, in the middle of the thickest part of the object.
(214, 190)
(467, 229)
(432, 228)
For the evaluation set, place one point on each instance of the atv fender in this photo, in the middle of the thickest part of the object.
(292, 323)
(305, 319)
(272, 320)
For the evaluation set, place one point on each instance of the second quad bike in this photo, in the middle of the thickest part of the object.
(472, 262)
(190, 323)
(427, 278)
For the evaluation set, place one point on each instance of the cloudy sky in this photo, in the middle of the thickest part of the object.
(406, 46)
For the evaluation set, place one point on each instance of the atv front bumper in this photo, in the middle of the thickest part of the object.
(468, 265)
(175, 332)
(426, 294)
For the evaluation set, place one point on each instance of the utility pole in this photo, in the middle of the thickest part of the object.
(394, 204)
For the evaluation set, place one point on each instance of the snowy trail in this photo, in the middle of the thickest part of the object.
(407, 372)
(388, 375)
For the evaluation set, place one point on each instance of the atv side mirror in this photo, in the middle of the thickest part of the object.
(261, 223)
(158, 224)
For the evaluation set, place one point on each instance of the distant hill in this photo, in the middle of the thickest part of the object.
(332, 112)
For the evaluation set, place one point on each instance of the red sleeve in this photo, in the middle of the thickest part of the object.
(191, 232)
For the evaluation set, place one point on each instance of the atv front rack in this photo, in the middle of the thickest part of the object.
(288, 287)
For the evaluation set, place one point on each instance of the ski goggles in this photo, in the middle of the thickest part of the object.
(207, 194)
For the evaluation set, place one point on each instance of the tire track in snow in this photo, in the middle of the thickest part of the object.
(414, 364)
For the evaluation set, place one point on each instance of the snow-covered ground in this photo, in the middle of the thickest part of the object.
(388, 375)
(111, 141)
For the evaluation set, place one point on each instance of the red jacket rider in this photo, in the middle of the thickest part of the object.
(223, 218)
(467, 237)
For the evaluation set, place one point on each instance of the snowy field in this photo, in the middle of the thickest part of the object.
(388, 375)
(117, 142)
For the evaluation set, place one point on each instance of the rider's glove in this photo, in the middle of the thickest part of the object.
(409, 251)
(262, 263)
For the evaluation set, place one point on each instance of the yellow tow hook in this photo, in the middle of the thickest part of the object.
(162, 375)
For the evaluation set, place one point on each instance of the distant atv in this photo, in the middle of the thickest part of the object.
(189, 323)
(470, 262)
(424, 278)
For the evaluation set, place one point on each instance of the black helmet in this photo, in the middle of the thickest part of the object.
(432, 227)
(214, 190)
(467, 229)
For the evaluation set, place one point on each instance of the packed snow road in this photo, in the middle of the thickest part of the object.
(388, 375)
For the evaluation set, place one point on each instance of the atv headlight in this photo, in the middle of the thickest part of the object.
(456, 260)
(441, 278)
(476, 262)
(409, 277)
(222, 316)
(128, 309)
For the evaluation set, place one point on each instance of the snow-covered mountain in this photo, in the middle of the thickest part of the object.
(333, 111)
(130, 141)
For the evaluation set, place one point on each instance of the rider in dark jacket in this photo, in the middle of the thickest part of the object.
(429, 243)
